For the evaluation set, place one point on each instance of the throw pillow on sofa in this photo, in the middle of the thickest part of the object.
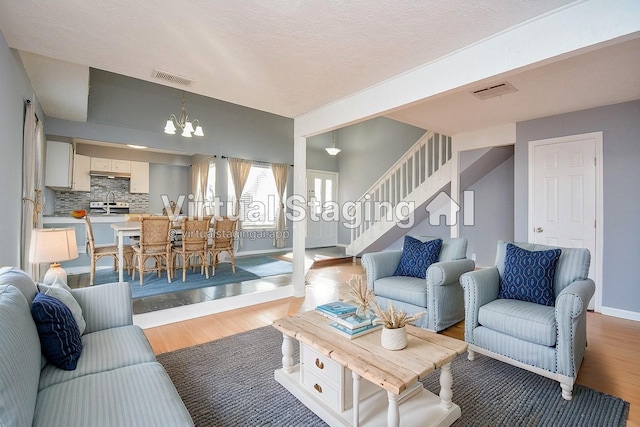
(62, 293)
(58, 331)
(417, 256)
(528, 275)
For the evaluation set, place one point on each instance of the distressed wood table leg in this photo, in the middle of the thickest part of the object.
(287, 353)
(356, 398)
(393, 414)
(446, 381)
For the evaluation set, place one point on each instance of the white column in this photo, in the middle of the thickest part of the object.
(299, 224)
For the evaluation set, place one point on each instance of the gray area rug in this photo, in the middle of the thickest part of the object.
(229, 382)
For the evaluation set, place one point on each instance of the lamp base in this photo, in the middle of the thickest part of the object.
(55, 273)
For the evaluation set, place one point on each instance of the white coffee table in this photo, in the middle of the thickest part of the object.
(344, 381)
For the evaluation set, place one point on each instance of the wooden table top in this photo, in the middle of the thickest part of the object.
(392, 370)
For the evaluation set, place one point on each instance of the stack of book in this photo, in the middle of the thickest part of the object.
(345, 322)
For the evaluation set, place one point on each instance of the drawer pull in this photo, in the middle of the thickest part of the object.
(318, 388)
(319, 364)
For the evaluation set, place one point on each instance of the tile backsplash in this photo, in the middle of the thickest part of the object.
(67, 201)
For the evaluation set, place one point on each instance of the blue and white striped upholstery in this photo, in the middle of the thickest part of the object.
(105, 306)
(117, 381)
(138, 395)
(19, 359)
(103, 351)
(546, 338)
(440, 294)
(521, 319)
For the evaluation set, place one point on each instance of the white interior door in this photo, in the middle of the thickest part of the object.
(563, 202)
(322, 224)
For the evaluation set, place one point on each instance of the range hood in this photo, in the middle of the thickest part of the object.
(111, 174)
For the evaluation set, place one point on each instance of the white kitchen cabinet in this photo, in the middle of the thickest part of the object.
(58, 165)
(121, 166)
(139, 182)
(99, 164)
(81, 177)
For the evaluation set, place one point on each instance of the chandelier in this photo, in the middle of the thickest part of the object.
(185, 124)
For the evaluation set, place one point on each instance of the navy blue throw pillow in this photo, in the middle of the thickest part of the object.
(528, 275)
(59, 334)
(417, 257)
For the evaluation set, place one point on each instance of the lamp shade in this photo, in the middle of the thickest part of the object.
(170, 128)
(53, 245)
(333, 150)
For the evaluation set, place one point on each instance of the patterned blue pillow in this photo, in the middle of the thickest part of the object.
(59, 334)
(417, 257)
(528, 275)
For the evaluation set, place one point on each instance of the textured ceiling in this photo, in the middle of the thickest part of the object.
(286, 58)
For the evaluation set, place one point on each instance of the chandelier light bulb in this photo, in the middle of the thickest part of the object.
(198, 131)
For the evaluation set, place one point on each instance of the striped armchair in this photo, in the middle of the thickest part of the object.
(547, 340)
(440, 294)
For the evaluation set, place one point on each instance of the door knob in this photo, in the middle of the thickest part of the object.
(539, 230)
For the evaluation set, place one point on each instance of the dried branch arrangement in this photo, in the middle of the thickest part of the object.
(360, 291)
(392, 319)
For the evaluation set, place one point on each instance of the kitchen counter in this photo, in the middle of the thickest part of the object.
(68, 219)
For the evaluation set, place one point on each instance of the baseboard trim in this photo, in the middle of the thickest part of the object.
(622, 314)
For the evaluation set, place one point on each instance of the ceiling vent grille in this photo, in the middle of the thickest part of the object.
(494, 90)
(173, 78)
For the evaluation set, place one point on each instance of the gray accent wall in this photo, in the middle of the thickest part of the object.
(15, 89)
(620, 124)
(166, 179)
(124, 110)
(493, 214)
(369, 149)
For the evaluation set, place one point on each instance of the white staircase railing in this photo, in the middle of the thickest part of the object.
(421, 172)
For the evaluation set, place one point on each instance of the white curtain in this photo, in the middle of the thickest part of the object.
(199, 179)
(280, 174)
(239, 169)
(32, 180)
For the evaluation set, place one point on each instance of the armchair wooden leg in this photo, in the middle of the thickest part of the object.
(471, 355)
(567, 391)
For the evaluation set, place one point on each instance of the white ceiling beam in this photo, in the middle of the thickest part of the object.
(559, 34)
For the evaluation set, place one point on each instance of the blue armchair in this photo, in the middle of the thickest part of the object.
(440, 294)
(549, 340)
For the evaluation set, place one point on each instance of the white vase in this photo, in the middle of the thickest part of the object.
(394, 339)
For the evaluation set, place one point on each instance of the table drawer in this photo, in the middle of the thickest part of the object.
(321, 366)
(321, 388)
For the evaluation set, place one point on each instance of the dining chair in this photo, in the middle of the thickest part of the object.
(193, 244)
(155, 242)
(99, 251)
(224, 230)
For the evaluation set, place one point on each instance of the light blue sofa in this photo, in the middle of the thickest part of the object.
(547, 340)
(440, 294)
(117, 381)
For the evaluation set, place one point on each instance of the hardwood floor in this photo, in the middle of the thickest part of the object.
(610, 364)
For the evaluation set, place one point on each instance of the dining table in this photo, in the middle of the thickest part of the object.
(122, 230)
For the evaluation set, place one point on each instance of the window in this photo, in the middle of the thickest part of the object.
(259, 202)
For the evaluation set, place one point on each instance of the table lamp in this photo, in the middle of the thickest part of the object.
(53, 245)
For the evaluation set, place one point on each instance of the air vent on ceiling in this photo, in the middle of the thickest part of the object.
(173, 78)
(494, 90)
